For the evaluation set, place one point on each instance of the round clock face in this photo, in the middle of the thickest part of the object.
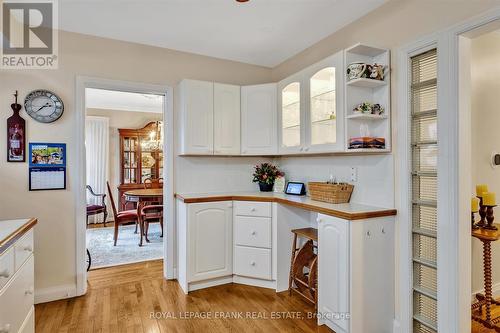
(43, 106)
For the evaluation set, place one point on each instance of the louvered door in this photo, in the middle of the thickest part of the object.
(424, 190)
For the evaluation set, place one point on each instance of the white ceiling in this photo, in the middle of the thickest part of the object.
(123, 101)
(262, 32)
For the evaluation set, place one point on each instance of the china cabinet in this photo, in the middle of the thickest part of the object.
(310, 108)
(137, 161)
(258, 120)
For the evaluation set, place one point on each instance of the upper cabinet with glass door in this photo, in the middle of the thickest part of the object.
(311, 109)
(290, 116)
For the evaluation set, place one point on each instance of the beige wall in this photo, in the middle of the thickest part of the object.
(120, 119)
(485, 75)
(111, 59)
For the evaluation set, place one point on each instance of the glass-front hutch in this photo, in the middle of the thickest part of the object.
(141, 157)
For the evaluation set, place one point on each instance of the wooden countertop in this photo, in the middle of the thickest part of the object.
(12, 230)
(348, 211)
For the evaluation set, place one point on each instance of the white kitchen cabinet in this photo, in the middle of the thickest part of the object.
(311, 109)
(197, 117)
(210, 240)
(17, 291)
(356, 274)
(333, 268)
(226, 119)
(258, 120)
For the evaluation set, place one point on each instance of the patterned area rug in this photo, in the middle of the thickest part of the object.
(127, 250)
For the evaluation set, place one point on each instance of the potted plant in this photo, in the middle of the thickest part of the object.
(265, 174)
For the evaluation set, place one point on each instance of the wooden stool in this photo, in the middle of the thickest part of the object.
(306, 283)
(487, 301)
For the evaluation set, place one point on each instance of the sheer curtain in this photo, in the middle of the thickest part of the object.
(97, 156)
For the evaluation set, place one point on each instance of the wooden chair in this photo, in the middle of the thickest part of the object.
(151, 214)
(153, 183)
(97, 209)
(122, 217)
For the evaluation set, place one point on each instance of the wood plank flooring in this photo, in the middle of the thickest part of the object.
(136, 298)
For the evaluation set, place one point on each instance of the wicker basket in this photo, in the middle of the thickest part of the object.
(331, 193)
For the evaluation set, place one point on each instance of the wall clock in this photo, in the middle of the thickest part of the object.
(43, 106)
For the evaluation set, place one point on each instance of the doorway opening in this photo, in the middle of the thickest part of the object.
(124, 136)
(156, 135)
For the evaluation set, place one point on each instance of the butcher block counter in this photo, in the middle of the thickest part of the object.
(347, 211)
(12, 230)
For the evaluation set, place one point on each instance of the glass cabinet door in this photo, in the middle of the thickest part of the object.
(129, 160)
(323, 112)
(290, 115)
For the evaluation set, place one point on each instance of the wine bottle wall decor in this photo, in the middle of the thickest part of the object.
(16, 135)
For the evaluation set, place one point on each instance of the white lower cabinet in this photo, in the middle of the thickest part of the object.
(210, 240)
(215, 245)
(356, 274)
(16, 296)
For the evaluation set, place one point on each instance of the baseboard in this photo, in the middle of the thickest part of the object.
(50, 294)
(270, 284)
(209, 283)
(495, 289)
(396, 326)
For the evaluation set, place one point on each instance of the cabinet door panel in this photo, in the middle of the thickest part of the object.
(333, 270)
(258, 120)
(210, 240)
(226, 119)
(197, 128)
(325, 106)
(291, 115)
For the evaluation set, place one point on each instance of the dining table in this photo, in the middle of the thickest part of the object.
(141, 197)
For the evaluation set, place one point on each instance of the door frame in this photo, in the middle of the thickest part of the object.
(79, 181)
(454, 183)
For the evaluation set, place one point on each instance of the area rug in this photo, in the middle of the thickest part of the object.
(127, 250)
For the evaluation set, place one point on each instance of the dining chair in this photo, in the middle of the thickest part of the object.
(99, 208)
(153, 183)
(152, 214)
(122, 217)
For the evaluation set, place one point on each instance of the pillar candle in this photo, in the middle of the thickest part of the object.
(474, 204)
(480, 189)
(489, 199)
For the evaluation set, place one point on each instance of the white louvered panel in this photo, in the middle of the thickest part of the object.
(424, 190)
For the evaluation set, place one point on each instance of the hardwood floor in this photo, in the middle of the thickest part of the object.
(136, 298)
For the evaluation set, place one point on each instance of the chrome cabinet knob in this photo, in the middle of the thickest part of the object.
(252, 263)
(30, 291)
(253, 233)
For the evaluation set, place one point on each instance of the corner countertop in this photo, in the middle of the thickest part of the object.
(12, 230)
(347, 211)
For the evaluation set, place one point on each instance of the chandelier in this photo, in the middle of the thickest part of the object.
(155, 140)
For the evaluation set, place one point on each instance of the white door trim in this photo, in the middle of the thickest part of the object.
(78, 182)
(454, 181)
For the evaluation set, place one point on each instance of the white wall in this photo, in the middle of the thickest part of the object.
(485, 106)
(375, 175)
(120, 119)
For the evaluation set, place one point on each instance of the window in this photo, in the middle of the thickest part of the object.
(424, 146)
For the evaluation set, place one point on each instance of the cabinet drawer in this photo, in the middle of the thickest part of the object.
(252, 208)
(23, 249)
(6, 267)
(252, 262)
(19, 294)
(252, 231)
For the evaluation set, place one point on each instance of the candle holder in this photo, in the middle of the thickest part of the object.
(473, 224)
(482, 213)
(490, 218)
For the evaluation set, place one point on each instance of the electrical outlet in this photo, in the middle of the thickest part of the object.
(354, 174)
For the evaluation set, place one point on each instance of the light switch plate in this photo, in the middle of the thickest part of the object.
(354, 174)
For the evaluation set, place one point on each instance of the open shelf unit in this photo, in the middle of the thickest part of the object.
(367, 90)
